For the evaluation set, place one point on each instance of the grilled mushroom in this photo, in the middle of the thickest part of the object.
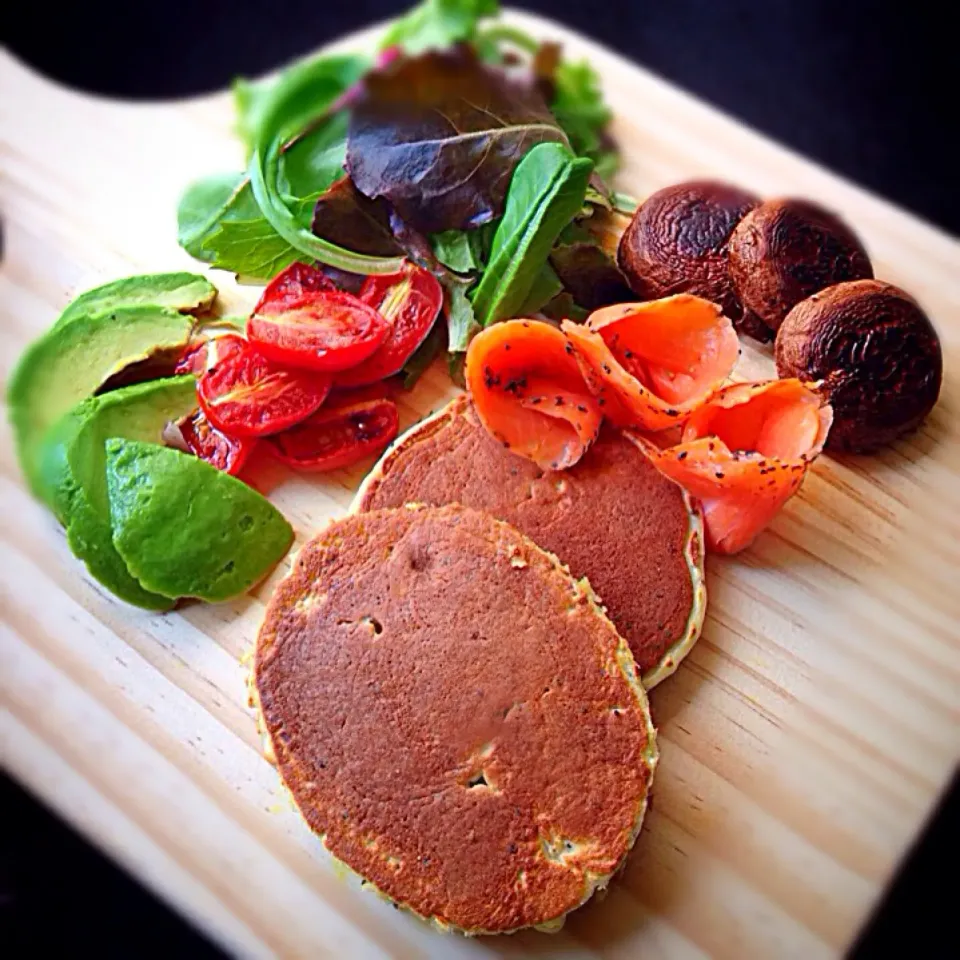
(785, 250)
(877, 354)
(677, 242)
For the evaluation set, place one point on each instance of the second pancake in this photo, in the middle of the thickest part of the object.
(612, 518)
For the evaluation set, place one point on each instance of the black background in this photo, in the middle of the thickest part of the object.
(867, 89)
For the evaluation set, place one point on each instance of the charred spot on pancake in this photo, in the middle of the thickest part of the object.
(418, 557)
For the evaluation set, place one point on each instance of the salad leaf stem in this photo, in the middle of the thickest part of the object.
(295, 101)
(502, 32)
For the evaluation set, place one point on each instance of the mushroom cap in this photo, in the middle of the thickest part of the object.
(677, 242)
(877, 354)
(786, 250)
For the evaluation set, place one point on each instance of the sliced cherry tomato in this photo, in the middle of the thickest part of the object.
(321, 331)
(205, 354)
(410, 302)
(338, 436)
(246, 395)
(203, 439)
(291, 285)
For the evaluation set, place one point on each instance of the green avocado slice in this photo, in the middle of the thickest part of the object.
(185, 528)
(184, 292)
(70, 362)
(75, 471)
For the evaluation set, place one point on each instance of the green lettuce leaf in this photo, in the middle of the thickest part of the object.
(220, 222)
(546, 285)
(252, 249)
(464, 251)
(546, 192)
(453, 249)
(461, 319)
(579, 107)
(438, 24)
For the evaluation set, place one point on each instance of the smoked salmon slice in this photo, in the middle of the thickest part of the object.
(652, 364)
(529, 393)
(744, 454)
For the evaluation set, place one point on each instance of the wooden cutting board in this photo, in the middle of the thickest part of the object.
(803, 741)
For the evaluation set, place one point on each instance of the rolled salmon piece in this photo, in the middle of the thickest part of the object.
(529, 393)
(651, 365)
(744, 454)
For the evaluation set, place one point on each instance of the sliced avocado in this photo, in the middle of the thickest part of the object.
(55, 476)
(74, 470)
(106, 565)
(186, 529)
(70, 362)
(184, 292)
(216, 325)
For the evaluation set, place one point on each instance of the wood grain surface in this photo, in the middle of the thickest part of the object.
(803, 741)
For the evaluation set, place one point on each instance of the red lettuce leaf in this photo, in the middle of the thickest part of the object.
(438, 136)
(344, 216)
(589, 275)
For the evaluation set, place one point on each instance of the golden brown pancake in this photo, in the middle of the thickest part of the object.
(612, 518)
(455, 716)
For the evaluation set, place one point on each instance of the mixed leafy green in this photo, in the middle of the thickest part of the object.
(463, 144)
(293, 104)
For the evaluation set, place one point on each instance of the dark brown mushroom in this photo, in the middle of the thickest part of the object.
(877, 354)
(677, 242)
(785, 250)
